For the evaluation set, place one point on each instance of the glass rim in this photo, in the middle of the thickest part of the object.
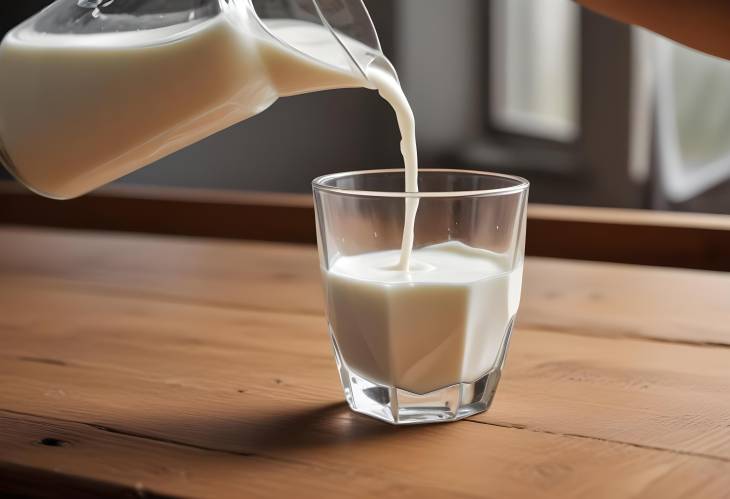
(521, 184)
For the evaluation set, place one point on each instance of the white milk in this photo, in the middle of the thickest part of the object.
(78, 111)
(441, 323)
(391, 91)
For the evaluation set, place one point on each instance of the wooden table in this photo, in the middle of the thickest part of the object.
(163, 366)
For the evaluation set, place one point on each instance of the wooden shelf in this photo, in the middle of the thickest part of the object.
(599, 234)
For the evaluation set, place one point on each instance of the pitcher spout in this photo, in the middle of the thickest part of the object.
(338, 37)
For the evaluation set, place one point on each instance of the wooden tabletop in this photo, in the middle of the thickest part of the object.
(165, 366)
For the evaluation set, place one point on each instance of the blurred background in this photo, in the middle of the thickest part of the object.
(591, 111)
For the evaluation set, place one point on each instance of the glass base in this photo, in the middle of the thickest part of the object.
(401, 407)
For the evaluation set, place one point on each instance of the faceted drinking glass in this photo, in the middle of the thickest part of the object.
(426, 345)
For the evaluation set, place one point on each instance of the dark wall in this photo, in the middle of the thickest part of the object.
(11, 13)
(283, 148)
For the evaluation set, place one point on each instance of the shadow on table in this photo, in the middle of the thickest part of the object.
(288, 429)
(332, 424)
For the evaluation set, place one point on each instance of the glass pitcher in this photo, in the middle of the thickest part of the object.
(92, 90)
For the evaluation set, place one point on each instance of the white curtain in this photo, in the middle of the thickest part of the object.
(690, 99)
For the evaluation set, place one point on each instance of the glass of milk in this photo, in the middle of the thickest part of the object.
(426, 343)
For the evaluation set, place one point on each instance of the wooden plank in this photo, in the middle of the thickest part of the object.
(19, 481)
(179, 368)
(615, 300)
(687, 306)
(665, 246)
(460, 460)
(88, 460)
(269, 217)
(639, 218)
(121, 361)
(226, 273)
(598, 234)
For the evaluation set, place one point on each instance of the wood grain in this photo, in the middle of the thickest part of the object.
(614, 300)
(676, 305)
(179, 367)
(658, 395)
(490, 462)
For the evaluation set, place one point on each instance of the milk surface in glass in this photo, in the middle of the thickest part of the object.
(442, 322)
